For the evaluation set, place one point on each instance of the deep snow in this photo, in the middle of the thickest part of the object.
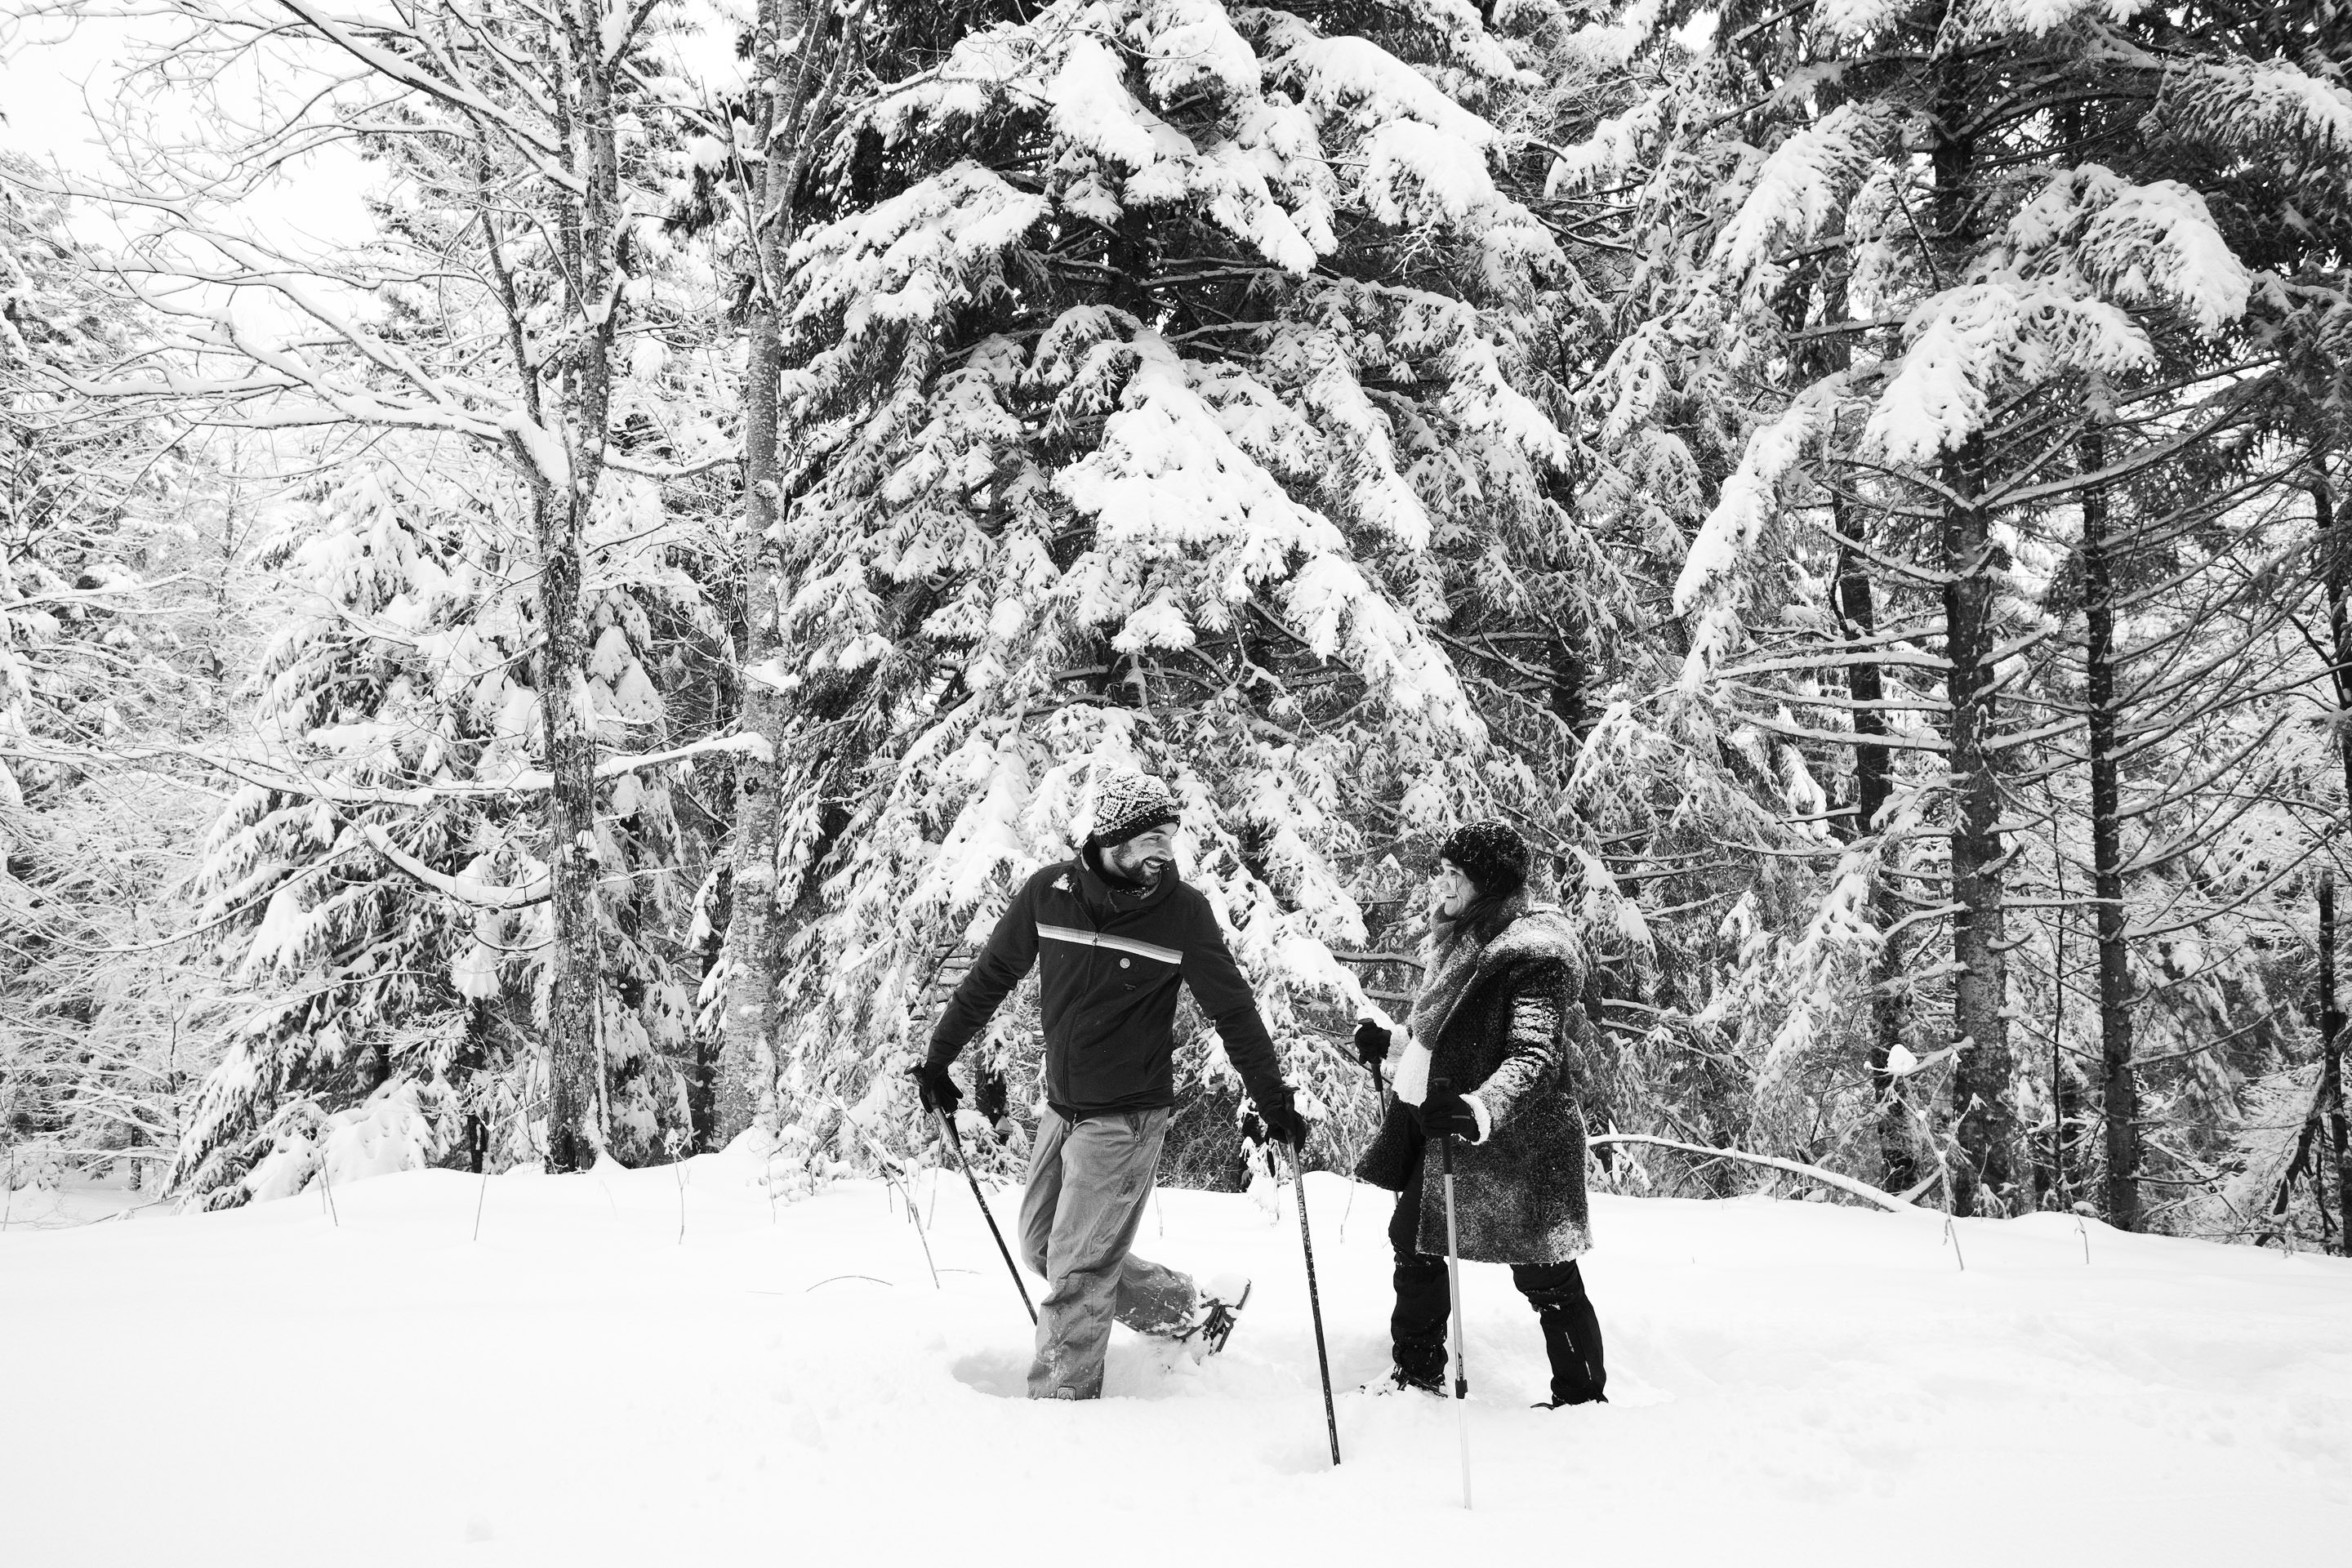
(1792, 1383)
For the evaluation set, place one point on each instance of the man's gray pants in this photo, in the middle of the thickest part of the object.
(1089, 1181)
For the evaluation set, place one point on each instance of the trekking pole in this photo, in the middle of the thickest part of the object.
(1453, 1289)
(1315, 1304)
(956, 1142)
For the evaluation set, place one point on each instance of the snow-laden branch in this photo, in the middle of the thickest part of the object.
(527, 782)
(465, 889)
(1895, 740)
(284, 780)
(94, 595)
(624, 464)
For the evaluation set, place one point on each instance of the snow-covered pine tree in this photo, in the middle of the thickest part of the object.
(2182, 808)
(1159, 371)
(519, 305)
(1918, 194)
(2293, 216)
(2187, 556)
(383, 879)
(1685, 805)
(1699, 830)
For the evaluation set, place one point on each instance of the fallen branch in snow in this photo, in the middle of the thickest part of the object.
(1861, 1189)
(836, 1278)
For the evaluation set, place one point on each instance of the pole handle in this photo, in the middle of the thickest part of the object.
(1438, 1086)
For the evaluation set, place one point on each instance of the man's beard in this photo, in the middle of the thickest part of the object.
(1141, 874)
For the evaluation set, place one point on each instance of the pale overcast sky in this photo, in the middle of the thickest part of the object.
(54, 79)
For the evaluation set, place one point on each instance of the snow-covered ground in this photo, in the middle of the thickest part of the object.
(1791, 1384)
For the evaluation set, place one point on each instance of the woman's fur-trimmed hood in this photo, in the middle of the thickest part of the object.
(1536, 932)
(1542, 931)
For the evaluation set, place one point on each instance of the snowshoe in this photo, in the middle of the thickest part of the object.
(1214, 1320)
(1396, 1382)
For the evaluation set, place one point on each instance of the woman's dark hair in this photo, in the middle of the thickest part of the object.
(1491, 853)
(1485, 916)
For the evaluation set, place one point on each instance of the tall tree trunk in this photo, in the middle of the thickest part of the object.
(2331, 1107)
(589, 237)
(575, 1089)
(1983, 1095)
(2327, 1109)
(1873, 786)
(2119, 1090)
(1856, 607)
(745, 1090)
(799, 90)
(1985, 1118)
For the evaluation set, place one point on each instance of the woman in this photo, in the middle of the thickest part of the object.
(1494, 1054)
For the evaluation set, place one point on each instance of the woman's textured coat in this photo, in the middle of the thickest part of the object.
(1519, 1039)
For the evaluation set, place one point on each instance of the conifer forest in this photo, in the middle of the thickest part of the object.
(573, 669)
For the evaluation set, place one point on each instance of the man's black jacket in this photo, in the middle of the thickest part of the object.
(1110, 961)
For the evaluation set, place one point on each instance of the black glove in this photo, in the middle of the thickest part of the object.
(1445, 1111)
(939, 1090)
(1284, 1124)
(1372, 1041)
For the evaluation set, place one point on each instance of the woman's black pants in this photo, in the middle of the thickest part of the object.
(1572, 1329)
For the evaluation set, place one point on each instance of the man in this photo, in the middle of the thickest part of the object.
(1113, 931)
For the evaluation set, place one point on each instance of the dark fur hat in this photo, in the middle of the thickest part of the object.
(1491, 853)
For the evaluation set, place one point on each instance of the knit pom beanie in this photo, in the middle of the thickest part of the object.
(1491, 853)
(1128, 804)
